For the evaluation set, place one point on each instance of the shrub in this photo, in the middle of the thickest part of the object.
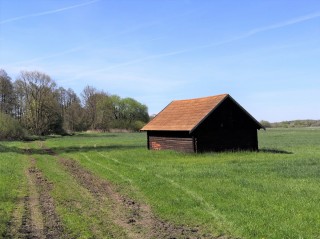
(265, 124)
(10, 129)
(137, 125)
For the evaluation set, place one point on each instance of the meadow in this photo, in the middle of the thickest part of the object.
(110, 186)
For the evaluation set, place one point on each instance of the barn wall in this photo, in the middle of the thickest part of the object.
(226, 139)
(179, 141)
(228, 115)
(227, 128)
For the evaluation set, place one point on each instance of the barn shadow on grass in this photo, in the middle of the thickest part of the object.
(275, 151)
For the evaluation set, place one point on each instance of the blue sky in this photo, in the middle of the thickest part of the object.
(265, 54)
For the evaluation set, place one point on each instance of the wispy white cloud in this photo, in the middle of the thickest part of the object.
(47, 12)
(83, 73)
(80, 48)
(252, 33)
(285, 23)
(57, 54)
(85, 45)
(214, 44)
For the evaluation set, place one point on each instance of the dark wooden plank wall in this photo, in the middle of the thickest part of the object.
(173, 143)
(227, 128)
(228, 139)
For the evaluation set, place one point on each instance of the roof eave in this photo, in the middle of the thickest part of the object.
(181, 130)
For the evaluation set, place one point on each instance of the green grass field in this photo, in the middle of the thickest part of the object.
(274, 193)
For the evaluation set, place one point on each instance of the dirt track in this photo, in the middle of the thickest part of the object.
(36, 217)
(136, 218)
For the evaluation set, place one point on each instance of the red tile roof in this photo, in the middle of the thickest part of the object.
(184, 115)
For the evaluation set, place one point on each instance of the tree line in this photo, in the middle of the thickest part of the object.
(35, 104)
(291, 124)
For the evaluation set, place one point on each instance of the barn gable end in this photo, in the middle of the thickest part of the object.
(212, 123)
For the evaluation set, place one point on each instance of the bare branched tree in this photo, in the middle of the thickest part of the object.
(41, 109)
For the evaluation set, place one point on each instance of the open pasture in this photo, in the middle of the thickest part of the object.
(111, 186)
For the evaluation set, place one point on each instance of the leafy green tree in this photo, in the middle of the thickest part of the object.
(98, 109)
(134, 111)
(126, 112)
(116, 106)
(7, 97)
(104, 112)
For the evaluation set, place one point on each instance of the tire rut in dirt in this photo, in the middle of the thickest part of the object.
(136, 218)
(52, 225)
(35, 215)
(122, 215)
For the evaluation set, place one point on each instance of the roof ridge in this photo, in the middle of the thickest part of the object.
(226, 94)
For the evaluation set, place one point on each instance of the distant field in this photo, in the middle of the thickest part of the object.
(111, 186)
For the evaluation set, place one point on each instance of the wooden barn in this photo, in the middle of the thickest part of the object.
(214, 123)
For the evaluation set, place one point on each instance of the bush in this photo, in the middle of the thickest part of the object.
(137, 125)
(10, 129)
(265, 124)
